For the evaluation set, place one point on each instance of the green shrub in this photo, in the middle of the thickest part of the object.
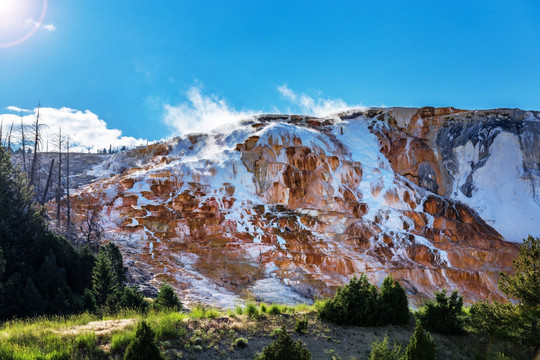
(263, 309)
(143, 346)
(284, 348)
(132, 298)
(394, 306)
(421, 345)
(240, 342)
(251, 310)
(301, 325)
(354, 304)
(202, 312)
(380, 350)
(505, 321)
(167, 298)
(239, 309)
(274, 310)
(444, 315)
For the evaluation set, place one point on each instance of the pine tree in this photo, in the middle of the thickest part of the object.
(525, 284)
(284, 348)
(143, 346)
(104, 284)
(444, 315)
(167, 298)
(132, 298)
(421, 346)
(354, 304)
(2, 264)
(115, 257)
(394, 303)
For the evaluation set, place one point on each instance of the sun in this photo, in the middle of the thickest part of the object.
(19, 20)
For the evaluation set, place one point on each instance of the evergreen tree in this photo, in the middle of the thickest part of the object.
(41, 274)
(132, 298)
(354, 304)
(380, 350)
(143, 346)
(2, 264)
(394, 303)
(525, 284)
(104, 284)
(115, 258)
(421, 345)
(284, 348)
(167, 298)
(444, 315)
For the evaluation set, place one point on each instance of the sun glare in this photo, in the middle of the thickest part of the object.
(19, 20)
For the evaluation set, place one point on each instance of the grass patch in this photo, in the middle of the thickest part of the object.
(202, 312)
(120, 341)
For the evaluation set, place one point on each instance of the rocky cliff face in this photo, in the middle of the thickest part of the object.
(288, 207)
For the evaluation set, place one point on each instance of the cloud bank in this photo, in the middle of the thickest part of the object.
(87, 132)
(315, 106)
(202, 113)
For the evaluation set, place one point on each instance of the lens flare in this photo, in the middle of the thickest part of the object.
(12, 13)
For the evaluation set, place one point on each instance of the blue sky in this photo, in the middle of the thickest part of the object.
(139, 65)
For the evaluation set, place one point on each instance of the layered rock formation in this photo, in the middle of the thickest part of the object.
(286, 208)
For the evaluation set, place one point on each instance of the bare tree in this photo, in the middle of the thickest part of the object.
(90, 227)
(1, 128)
(23, 140)
(37, 141)
(9, 137)
(67, 187)
(49, 178)
(59, 188)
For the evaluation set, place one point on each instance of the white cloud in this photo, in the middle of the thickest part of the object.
(315, 106)
(49, 27)
(18, 109)
(85, 129)
(202, 113)
(34, 23)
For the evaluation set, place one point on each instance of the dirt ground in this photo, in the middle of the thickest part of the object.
(214, 339)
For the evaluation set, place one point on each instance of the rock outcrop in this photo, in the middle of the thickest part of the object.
(286, 208)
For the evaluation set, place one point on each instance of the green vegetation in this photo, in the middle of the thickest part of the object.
(240, 342)
(251, 309)
(444, 315)
(515, 324)
(167, 298)
(359, 303)
(143, 346)
(40, 272)
(43, 277)
(421, 346)
(284, 348)
(394, 306)
(301, 325)
(380, 350)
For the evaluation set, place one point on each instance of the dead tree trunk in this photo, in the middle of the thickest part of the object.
(23, 144)
(59, 188)
(36, 149)
(49, 178)
(9, 137)
(67, 187)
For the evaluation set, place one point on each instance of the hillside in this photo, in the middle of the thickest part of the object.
(286, 208)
